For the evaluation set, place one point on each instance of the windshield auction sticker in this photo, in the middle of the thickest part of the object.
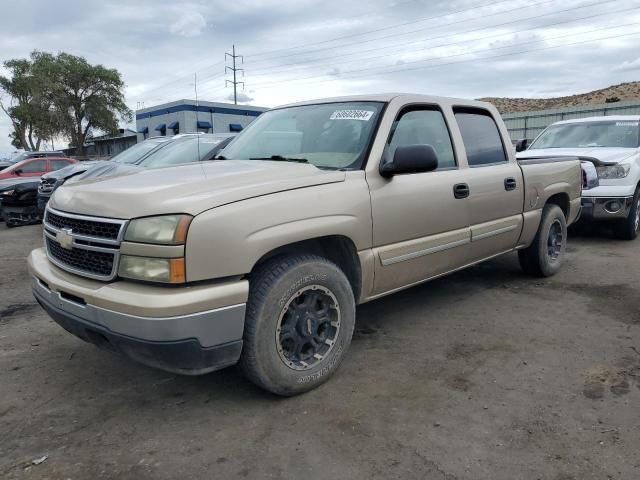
(364, 115)
(627, 124)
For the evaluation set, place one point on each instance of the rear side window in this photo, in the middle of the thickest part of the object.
(58, 164)
(423, 127)
(481, 138)
(35, 167)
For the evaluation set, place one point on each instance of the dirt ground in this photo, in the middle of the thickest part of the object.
(485, 374)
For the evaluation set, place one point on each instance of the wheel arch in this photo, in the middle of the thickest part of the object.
(339, 249)
(562, 200)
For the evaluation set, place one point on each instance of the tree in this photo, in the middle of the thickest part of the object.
(30, 106)
(87, 98)
(61, 94)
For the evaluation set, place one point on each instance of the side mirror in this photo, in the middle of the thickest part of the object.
(410, 159)
(521, 145)
(18, 172)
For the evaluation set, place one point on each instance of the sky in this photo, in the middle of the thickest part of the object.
(302, 49)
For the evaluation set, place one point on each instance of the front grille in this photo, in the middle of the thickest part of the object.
(93, 243)
(91, 228)
(95, 263)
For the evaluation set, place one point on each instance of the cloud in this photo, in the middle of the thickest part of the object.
(242, 97)
(189, 24)
(628, 66)
(290, 48)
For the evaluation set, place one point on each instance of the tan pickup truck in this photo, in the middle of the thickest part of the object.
(261, 256)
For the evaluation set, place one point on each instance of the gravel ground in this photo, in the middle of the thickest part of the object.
(485, 374)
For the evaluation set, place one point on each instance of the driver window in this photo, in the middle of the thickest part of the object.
(423, 127)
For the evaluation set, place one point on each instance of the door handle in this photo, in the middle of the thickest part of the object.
(510, 184)
(461, 190)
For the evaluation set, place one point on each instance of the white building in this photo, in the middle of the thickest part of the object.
(188, 116)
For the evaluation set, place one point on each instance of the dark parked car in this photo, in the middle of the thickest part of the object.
(154, 152)
(27, 155)
(18, 204)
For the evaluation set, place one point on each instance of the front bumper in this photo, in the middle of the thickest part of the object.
(606, 208)
(187, 330)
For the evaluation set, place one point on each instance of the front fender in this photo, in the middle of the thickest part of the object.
(229, 240)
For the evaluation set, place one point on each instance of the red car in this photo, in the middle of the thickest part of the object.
(35, 167)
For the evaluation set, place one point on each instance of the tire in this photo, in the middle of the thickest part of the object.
(628, 228)
(298, 306)
(543, 258)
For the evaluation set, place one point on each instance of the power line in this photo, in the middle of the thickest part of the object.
(179, 79)
(379, 29)
(448, 24)
(333, 63)
(455, 62)
(394, 35)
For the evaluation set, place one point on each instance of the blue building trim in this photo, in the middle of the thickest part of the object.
(204, 124)
(199, 108)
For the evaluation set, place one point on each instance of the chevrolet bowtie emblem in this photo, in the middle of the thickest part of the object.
(65, 239)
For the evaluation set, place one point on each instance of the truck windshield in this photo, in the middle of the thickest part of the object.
(329, 135)
(621, 134)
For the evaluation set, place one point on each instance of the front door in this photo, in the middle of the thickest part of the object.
(420, 228)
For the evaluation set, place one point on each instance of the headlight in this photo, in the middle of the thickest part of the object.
(613, 171)
(164, 270)
(164, 230)
(8, 193)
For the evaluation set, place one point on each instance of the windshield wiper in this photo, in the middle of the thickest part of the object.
(280, 158)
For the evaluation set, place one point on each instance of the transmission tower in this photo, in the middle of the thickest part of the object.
(235, 70)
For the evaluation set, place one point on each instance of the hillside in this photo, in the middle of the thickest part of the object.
(624, 91)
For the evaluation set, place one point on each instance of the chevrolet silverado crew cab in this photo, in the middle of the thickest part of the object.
(609, 148)
(261, 255)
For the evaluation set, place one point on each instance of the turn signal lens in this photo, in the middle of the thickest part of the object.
(177, 270)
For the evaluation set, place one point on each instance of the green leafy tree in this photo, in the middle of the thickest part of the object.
(30, 105)
(53, 95)
(87, 98)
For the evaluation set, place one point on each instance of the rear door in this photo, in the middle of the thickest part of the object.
(495, 184)
(34, 168)
(420, 228)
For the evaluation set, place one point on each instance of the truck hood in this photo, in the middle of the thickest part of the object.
(604, 154)
(188, 189)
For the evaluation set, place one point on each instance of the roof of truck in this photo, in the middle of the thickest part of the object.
(608, 118)
(388, 97)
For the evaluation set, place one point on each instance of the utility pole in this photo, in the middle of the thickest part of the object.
(234, 69)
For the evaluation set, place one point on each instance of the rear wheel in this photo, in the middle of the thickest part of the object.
(299, 323)
(628, 228)
(543, 257)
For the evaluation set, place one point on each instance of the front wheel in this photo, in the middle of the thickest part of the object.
(299, 323)
(628, 228)
(543, 258)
